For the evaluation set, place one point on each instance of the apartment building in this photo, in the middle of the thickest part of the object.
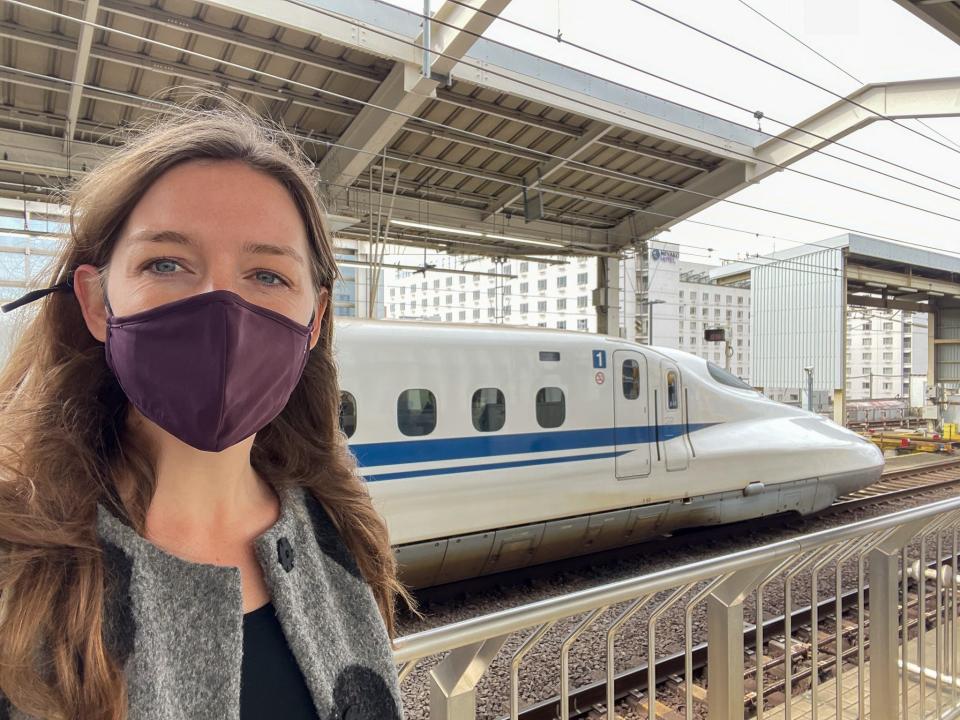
(884, 349)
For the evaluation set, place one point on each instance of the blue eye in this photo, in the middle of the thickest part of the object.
(269, 278)
(164, 266)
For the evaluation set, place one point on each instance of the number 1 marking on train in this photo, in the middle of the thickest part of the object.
(599, 358)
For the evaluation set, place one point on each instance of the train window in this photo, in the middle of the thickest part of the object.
(489, 410)
(416, 412)
(726, 378)
(549, 356)
(631, 379)
(551, 407)
(673, 390)
(348, 414)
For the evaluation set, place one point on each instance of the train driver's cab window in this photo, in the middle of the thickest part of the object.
(551, 407)
(489, 410)
(631, 379)
(348, 414)
(673, 390)
(416, 412)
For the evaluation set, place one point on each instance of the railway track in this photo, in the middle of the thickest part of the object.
(900, 483)
(820, 652)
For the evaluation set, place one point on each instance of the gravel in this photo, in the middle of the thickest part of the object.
(540, 671)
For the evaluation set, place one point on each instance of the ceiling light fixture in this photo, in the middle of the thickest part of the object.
(436, 228)
(508, 238)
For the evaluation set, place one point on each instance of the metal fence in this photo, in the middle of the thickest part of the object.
(865, 615)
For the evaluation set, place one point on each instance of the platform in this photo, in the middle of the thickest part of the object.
(802, 703)
(918, 461)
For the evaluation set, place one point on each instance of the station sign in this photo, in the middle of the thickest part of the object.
(715, 335)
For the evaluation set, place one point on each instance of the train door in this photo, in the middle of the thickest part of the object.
(672, 429)
(630, 414)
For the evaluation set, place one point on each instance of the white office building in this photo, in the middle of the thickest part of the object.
(884, 349)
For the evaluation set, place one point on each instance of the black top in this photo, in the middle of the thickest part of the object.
(271, 684)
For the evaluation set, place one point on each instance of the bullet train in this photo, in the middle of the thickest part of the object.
(488, 448)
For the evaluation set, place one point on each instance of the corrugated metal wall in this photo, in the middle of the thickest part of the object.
(948, 355)
(798, 321)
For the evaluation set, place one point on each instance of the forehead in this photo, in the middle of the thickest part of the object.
(219, 200)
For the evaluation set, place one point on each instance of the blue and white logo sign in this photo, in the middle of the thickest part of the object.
(599, 358)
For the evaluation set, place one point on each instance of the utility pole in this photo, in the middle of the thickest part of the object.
(809, 371)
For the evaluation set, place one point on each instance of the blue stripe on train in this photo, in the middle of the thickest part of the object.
(491, 466)
(431, 450)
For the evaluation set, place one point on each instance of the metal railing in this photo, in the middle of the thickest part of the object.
(894, 652)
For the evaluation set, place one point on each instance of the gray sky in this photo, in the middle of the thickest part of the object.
(875, 40)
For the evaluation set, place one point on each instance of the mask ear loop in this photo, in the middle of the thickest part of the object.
(65, 285)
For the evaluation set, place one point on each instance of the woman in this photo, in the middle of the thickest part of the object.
(182, 528)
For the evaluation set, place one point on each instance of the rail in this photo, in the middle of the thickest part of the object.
(717, 590)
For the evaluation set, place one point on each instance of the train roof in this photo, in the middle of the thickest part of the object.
(516, 332)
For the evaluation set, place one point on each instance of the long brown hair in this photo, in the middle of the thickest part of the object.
(65, 446)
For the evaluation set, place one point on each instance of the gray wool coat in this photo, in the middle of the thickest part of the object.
(177, 626)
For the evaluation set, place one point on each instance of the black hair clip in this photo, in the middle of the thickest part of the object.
(37, 294)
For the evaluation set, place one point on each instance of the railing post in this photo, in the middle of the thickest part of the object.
(885, 583)
(725, 641)
(453, 683)
(884, 631)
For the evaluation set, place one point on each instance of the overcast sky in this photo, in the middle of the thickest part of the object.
(874, 40)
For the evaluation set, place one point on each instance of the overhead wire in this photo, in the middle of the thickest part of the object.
(571, 245)
(828, 61)
(573, 163)
(731, 104)
(786, 71)
(625, 176)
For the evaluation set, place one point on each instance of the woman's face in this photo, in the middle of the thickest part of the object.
(208, 225)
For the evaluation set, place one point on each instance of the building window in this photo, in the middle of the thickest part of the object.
(561, 324)
(416, 412)
(524, 267)
(551, 407)
(524, 288)
(449, 317)
(463, 315)
(523, 308)
(582, 278)
(867, 342)
(476, 314)
(488, 410)
(561, 303)
(542, 285)
(436, 284)
(476, 296)
(449, 282)
(348, 414)
(463, 279)
(462, 298)
(542, 306)
(582, 324)
(582, 301)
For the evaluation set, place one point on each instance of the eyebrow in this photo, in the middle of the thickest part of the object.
(249, 247)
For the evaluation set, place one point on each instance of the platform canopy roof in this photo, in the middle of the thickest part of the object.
(440, 160)
(944, 15)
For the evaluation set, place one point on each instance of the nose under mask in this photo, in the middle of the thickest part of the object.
(211, 369)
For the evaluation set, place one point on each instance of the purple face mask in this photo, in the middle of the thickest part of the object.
(211, 369)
